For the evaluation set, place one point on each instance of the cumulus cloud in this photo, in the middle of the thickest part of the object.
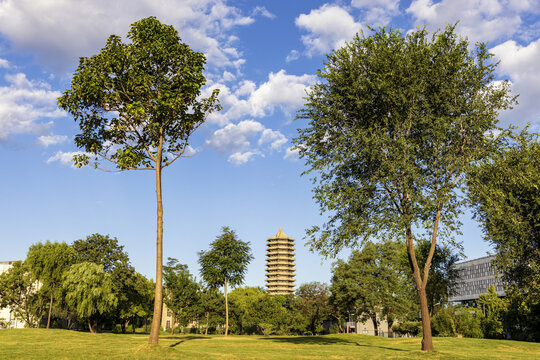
(4, 64)
(291, 154)
(26, 106)
(272, 137)
(240, 158)
(245, 140)
(48, 140)
(521, 65)
(235, 138)
(65, 157)
(293, 55)
(58, 32)
(479, 20)
(377, 12)
(281, 91)
(329, 27)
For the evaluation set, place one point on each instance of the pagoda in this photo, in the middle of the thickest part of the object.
(280, 264)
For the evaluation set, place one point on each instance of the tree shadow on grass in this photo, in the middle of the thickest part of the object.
(381, 347)
(182, 339)
(311, 340)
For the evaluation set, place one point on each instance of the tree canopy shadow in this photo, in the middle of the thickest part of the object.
(381, 347)
(311, 340)
(182, 339)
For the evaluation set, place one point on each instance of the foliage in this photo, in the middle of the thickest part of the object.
(394, 125)
(48, 262)
(371, 282)
(102, 250)
(408, 327)
(523, 315)
(89, 289)
(210, 308)
(443, 322)
(225, 263)
(312, 303)
(494, 309)
(468, 322)
(137, 104)
(181, 294)
(19, 291)
(505, 191)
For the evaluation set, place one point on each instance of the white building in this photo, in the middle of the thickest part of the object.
(6, 315)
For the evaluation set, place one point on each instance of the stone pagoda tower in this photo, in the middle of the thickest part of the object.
(280, 264)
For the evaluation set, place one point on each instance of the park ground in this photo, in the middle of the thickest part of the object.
(63, 344)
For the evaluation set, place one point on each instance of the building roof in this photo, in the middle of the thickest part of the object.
(280, 235)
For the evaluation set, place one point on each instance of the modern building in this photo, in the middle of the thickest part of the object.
(280, 272)
(6, 314)
(475, 278)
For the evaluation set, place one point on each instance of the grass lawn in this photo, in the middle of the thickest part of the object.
(64, 344)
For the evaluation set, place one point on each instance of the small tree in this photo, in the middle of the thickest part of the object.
(137, 105)
(48, 262)
(89, 290)
(396, 123)
(312, 302)
(210, 306)
(225, 263)
(181, 291)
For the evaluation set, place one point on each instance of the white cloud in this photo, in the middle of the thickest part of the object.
(281, 91)
(479, 20)
(235, 138)
(261, 10)
(521, 64)
(272, 137)
(47, 140)
(241, 140)
(57, 32)
(291, 154)
(25, 105)
(377, 12)
(240, 158)
(65, 158)
(293, 55)
(329, 27)
(4, 64)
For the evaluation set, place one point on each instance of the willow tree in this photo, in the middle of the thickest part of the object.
(395, 123)
(137, 105)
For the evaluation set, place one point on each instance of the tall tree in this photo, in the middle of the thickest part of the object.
(102, 250)
(225, 263)
(181, 291)
(505, 193)
(137, 105)
(89, 289)
(394, 125)
(48, 262)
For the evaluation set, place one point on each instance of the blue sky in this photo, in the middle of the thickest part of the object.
(262, 56)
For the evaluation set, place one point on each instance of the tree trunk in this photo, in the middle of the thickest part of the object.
(207, 317)
(427, 342)
(390, 324)
(172, 325)
(226, 309)
(133, 324)
(92, 326)
(50, 311)
(375, 325)
(156, 318)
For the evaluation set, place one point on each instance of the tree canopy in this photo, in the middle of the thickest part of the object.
(395, 123)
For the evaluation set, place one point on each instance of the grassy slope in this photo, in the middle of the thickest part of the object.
(62, 344)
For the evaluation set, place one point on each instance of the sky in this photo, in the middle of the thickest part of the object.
(263, 56)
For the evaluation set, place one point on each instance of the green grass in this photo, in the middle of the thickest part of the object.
(63, 344)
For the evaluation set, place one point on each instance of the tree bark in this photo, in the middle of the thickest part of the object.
(207, 316)
(172, 325)
(427, 342)
(226, 309)
(375, 325)
(156, 318)
(50, 310)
